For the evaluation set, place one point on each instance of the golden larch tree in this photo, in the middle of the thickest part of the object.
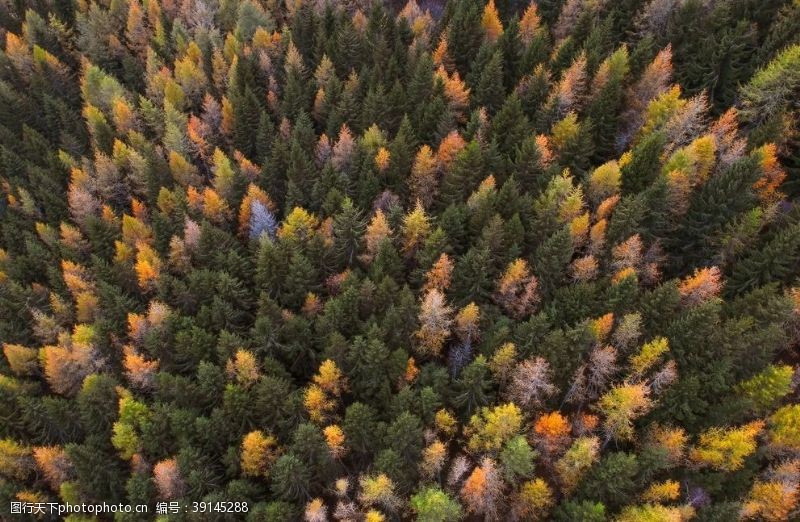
(490, 21)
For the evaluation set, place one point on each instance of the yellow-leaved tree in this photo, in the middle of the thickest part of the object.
(416, 227)
(621, 406)
(490, 428)
(490, 21)
(259, 451)
(517, 290)
(435, 318)
(576, 462)
(725, 449)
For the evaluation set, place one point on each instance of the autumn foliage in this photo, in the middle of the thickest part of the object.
(373, 261)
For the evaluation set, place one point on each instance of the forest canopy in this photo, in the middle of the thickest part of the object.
(364, 261)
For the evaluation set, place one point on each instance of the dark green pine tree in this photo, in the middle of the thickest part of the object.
(727, 64)
(273, 172)
(362, 429)
(606, 106)
(471, 280)
(300, 279)
(420, 85)
(783, 32)
(375, 107)
(401, 150)
(387, 263)
(463, 176)
(435, 245)
(488, 89)
(600, 42)
(453, 221)
(723, 198)
(464, 32)
(300, 170)
(472, 388)
(246, 117)
(510, 201)
(139, 489)
(308, 444)
(303, 28)
(537, 52)
(489, 227)
(512, 48)
(698, 343)
(565, 54)
(776, 260)
(299, 174)
(551, 260)
(346, 47)
(434, 119)
(404, 438)
(369, 371)
(395, 108)
(645, 165)
(509, 128)
(264, 138)
(98, 469)
(528, 167)
(572, 303)
(291, 478)
(730, 47)
(296, 95)
(549, 10)
(246, 107)
(612, 481)
(348, 228)
(587, 510)
(628, 219)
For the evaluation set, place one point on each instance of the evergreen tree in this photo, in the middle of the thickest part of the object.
(464, 32)
(463, 174)
(772, 262)
(510, 126)
(489, 91)
(348, 228)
